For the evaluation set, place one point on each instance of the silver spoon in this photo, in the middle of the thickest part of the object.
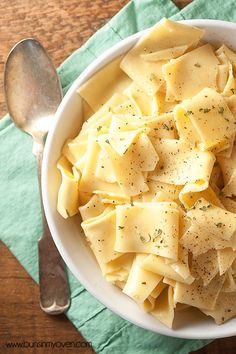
(33, 93)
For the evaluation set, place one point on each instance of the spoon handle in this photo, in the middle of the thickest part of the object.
(53, 283)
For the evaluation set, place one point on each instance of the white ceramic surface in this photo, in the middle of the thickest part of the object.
(68, 235)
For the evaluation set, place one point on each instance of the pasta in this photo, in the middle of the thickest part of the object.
(152, 173)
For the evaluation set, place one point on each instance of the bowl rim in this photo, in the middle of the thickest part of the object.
(96, 65)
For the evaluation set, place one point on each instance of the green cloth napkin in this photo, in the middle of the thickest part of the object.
(19, 195)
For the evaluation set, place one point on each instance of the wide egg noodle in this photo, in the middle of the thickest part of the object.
(227, 152)
(186, 131)
(225, 258)
(222, 77)
(165, 35)
(231, 102)
(140, 282)
(164, 106)
(224, 308)
(181, 267)
(101, 233)
(228, 203)
(197, 241)
(69, 155)
(162, 126)
(121, 141)
(216, 180)
(165, 54)
(154, 231)
(181, 164)
(205, 266)
(190, 73)
(100, 87)
(104, 170)
(126, 107)
(128, 168)
(217, 221)
(101, 117)
(158, 290)
(68, 194)
(184, 223)
(230, 281)
(89, 182)
(157, 264)
(189, 199)
(119, 268)
(230, 85)
(164, 309)
(228, 167)
(148, 304)
(210, 120)
(75, 150)
(230, 188)
(197, 295)
(169, 192)
(87, 110)
(146, 105)
(169, 281)
(229, 54)
(211, 228)
(93, 208)
(112, 198)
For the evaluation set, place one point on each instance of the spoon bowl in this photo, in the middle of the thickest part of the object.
(32, 94)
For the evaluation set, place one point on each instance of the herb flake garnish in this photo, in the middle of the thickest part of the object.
(165, 126)
(205, 207)
(221, 110)
(188, 113)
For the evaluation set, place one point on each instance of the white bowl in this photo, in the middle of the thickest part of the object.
(67, 234)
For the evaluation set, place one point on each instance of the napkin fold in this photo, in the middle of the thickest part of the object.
(20, 224)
